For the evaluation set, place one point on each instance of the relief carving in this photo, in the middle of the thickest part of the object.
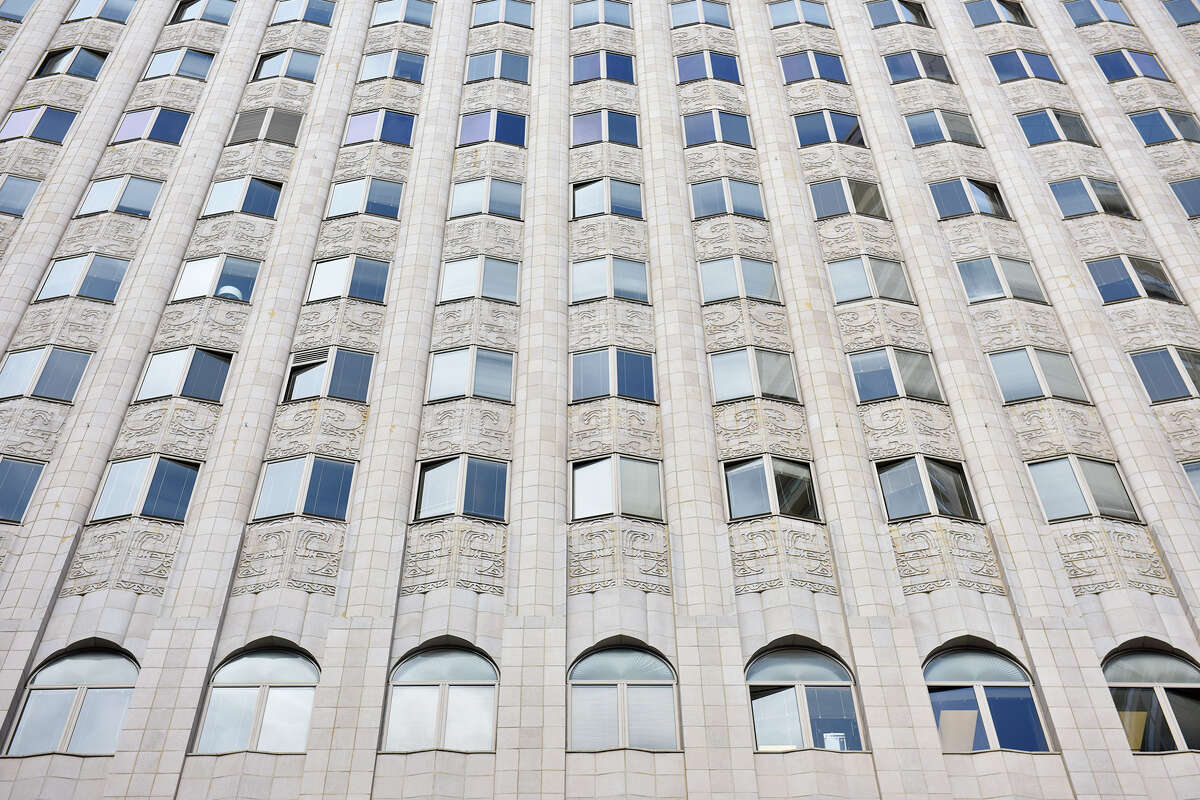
(301, 35)
(232, 233)
(506, 95)
(1033, 94)
(1004, 324)
(117, 235)
(171, 91)
(200, 34)
(132, 554)
(705, 94)
(613, 425)
(875, 323)
(1062, 160)
(752, 427)
(342, 321)
(176, 426)
(1144, 323)
(263, 159)
(293, 553)
(208, 322)
(774, 552)
(148, 159)
(996, 38)
(610, 322)
(1052, 427)
(601, 37)
(815, 94)
(826, 161)
(371, 236)
(28, 157)
(794, 38)
(693, 38)
(853, 234)
(726, 235)
(500, 37)
(605, 158)
(972, 237)
(402, 36)
(895, 38)
(935, 553)
(1103, 554)
(8, 227)
(475, 321)
(497, 237)
(64, 91)
(390, 93)
(1176, 160)
(324, 426)
(469, 425)
(1181, 421)
(489, 158)
(597, 236)
(904, 426)
(381, 159)
(946, 160)
(742, 322)
(454, 553)
(29, 427)
(618, 552)
(922, 95)
(1137, 94)
(68, 321)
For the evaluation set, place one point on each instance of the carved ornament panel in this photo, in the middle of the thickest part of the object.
(30, 427)
(469, 425)
(171, 91)
(134, 555)
(1176, 160)
(176, 426)
(1181, 421)
(977, 236)
(8, 227)
(28, 157)
(1104, 36)
(364, 234)
(261, 158)
(475, 321)
(502, 238)
(200, 34)
(826, 161)
(390, 93)
(601, 37)
(610, 322)
(1103, 554)
(995, 38)
(293, 553)
(1137, 94)
(1003, 324)
(694, 38)
(324, 426)
(506, 95)
(489, 158)
(247, 236)
(64, 91)
(613, 425)
(1144, 323)
(342, 321)
(1033, 94)
(401, 36)
(454, 553)
(875, 323)
(112, 234)
(381, 159)
(605, 158)
(904, 426)
(300, 34)
(599, 94)
(101, 34)
(148, 159)
(1062, 160)
(752, 427)
(774, 552)
(207, 321)
(815, 94)
(936, 553)
(604, 234)
(711, 161)
(946, 160)
(729, 234)
(922, 95)
(894, 38)
(742, 322)
(8, 30)
(500, 37)
(700, 95)
(794, 38)
(68, 321)
(618, 552)
(1053, 427)
(853, 234)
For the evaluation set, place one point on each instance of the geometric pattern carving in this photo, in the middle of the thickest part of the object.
(67, 321)
(505, 95)
(741, 322)
(175, 426)
(693, 38)
(603, 158)
(475, 321)
(268, 160)
(598, 236)
(486, 37)
(366, 235)
(699, 95)
(610, 322)
(28, 157)
(877, 323)
(726, 235)
(934, 553)
(208, 322)
(293, 553)
(751, 427)
(386, 93)
(1181, 421)
(613, 425)
(1103, 554)
(903, 426)
(489, 158)
(30, 427)
(976, 236)
(344, 322)
(455, 553)
(249, 237)
(134, 554)
(149, 159)
(323, 426)
(1100, 235)
(412, 38)
(843, 237)
(1152, 323)
(603, 94)
(601, 37)
(712, 161)
(491, 235)
(616, 551)
(816, 94)
(381, 159)
(772, 552)
(828, 161)
(469, 425)
(1052, 427)
(1002, 324)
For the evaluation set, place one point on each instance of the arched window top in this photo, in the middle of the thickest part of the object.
(973, 666)
(796, 665)
(622, 664)
(87, 668)
(273, 666)
(445, 664)
(1147, 666)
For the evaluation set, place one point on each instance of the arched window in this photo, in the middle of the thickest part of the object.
(443, 699)
(982, 701)
(261, 700)
(623, 697)
(1158, 699)
(802, 698)
(75, 704)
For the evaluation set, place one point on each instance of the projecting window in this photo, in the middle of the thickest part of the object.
(247, 195)
(802, 698)
(819, 127)
(271, 124)
(1016, 65)
(994, 277)
(615, 485)
(1089, 12)
(612, 372)
(726, 196)
(51, 373)
(15, 194)
(894, 12)
(1192, 471)
(1168, 373)
(606, 196)
(492, 126)
(317, 11)
(810, 64)
(498, 64)
(349, 276)
(92, 275)
(442, 699)
(190, 372)
(479, 276)
(738, 276)
(716, 126)
(622, 698)
(914, 485)
(486, 196)
(983, 701)
(989, 12)
(514, 12)
(1188, 192)
(366, 196)
(296, 64)
(707, 64)
(309, 485)
(1079, 196)
(770, 485)
(156, 124)
(182, 61)
(609, 276)
(75, 704)
(334, 372)
(960, 196)
(753, 372)
(1052, 125)
(1073, 486)
(416, 12)
(1126, 277)
(867, 276)
(1120, 65)
(1184, 12)
(791, 12)
(890, 372)
(473, 487)
(260, 701)
(692, 12)
(15, 10)
(1029, 373)
(1157, 698)
(602, 64)
(470, 372)
(224, 276)
(1165, 125)
(17, 481)
(218, 11)
(159, 486)
(46, 123)
(392, 64)
(78, 61)
(126, 193)
(604, 126)
(937, 125)
(847, 196)
(916, 64)
(379, 126)
(590, 12)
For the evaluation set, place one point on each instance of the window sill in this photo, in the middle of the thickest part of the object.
(291, 21)
(347, 215)
(759, 752)
(1024, 400)
(235, 211)
(454, 515)
(949, 141)
(736, 297)
(619, 749)
(56, 753)
(469, 298)
(277, 518)
(733, 144)
(874, 299)
(488, 141)
(642, 401)
(248, 750)
(606, 214)
(320, 300)
(771, 515)
(731, 400)
(1001, 750)
(502, 22)
(1142, 297)
(496, 78)
(587, 300)
(613, 515)
(875, 400)
(405, 145)
(443, 400)
(817, 78)
(1110, 517)
(367, 80)
(385, 752)
(728, 214)
(401, 22)
(929, 515)
(470, 214)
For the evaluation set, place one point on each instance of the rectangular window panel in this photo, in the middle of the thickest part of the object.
(486, 488)
(329, 488)
(594, 720)
(412, 718)
(794, 489)
(903, 493)
(1107, 489)
(591, 489)
(959, 722)
(121, 488)
(640, 495)
(285, 719)
(436, 491)
(652, 717)
(1015, 717)
(1058, 489)
(493, 374)
(746, 484)
(42, 722)
(229, 719)
(280, 486)
(170, 489)
(470, 713)
(950, 490)
(833, 718)
(776, 718)
(17, 482)
(635, 375)
(99, 722)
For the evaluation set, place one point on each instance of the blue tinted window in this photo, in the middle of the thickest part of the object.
(351, 375)
(1112, 279)
(510, 128)
(585, 67)
(484, 493)
(303, 66)
(622, 128)
(505, 199)
(1082, 12)
(17, 481)
(959, 698)
(691, 67)
(383, 198)
(589, 375)
(1041, 66)
(14, 9)
(699, 129)
(236, 281)
(1147, 64)
(138, 197)
(1038, 128)
(1115, 65)
(261, 198)
(409, 66)
(60, 376)
(169, 125)
(724, 68)
(15, 194)
(626, 198)
(811, 128)
(708, 198)
(88, 63)
(635, 375)
(195, 64)
(170, 489)
(734, 128)
(924, 128)
(329, 488)
(53, 125)
(796, 67)
(1072, 197)
(397, 128)
(103, 278)
(829, 199)
(846, 128)
(206, 377)
(1184, 12)
(514, 67)
(982, 13)
(618, 67)
(1008, 66)
(1160, 376)
(831, 711)
(829, 67)
(745, 198)
(902, 67)
(1015, 718)
(873, 375)
(369, 279)
(1188, 193)
(1152, 127)
(950, 198)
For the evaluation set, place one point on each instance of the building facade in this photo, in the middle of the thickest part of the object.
(630, 400)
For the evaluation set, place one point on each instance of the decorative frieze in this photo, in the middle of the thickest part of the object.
(68, 321)
(118, 235)
(936, 553)
(728, 235)
(343, 321)
(1181, 421)
(475, 321)
(822, 162)
(601, 37)
(613, 425)
(1030, 95)
(249, 237)
(610, 322)
(816, 94)
(898, 38)
(1005, 324)
(145, 158)
(390, 93)
(742, 322)
(325, 426)
(922, 95)
(8, 227)
(1104, 554)
(1144, 323)
(794, 38)
(1103, 36)
(133, 554)
(694, 38)
(29, 427)
(751, 427)
(379, 159)
(28, 157)
(875, 323)
(483, 234)
(489, 158)
(502, 94)
(176, 426)
(594, 161)
(608, 234)
(292, 553)
(976, 236)
(64, 91)
(618, 552)
(998, 38)
(454, 553)
(365, 234)
(404, 36)
(594, 95)
(467, 425)
(170, 91)
(947, 160)
(705, 94)
(263, 159)
(1136, 94)
(207, 322)
(1053, 427)
(904, 426)
(1176, 160)
(776, 552)
(300, 35)
(1058, 161)
(854, 234)
(198, 33)
(499, 37)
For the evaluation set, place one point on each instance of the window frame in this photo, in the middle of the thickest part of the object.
(502, 14)
(403, 18)
(799, 7)
(609, 281)
(114, 206)
(701, 16)
(1054, 115)
(497, 67)
(181, 379)
(35, 375)
(1135, 279)
(486, 205)
(727, 192)
(603, 76)
(709, 73)
(715, 115)
(896, 5)
(390, 73)
(943, 128)
(4, 178)
(985, 710)
(1166, 707)
(757, 393)
(1133, 65)
(303, 15)
(31, 129)
(1002, 278)
(605, 132)
(348, 282)
(931, 504)
(866, 261)
(472, 365)
(827, 117)
(607, 207)
(460, 485)
(740, 278)
(149, 128)
(440, 714)
(613, 382)
(848, 198)
(285, 70)
(381, 114)
(1191, 385)
(768, 465)
(995, 6)
(493, 127)
(919, 63)
(969, 187)
(1031, 353)
(139, 498)
(897, 376)
(174, 72)
(200, 16)
(239, 207)
(260, 704)
(215, 283)
(1167, 117)
(805, 716)
(368, 183)
(1099, 10)
(623, 716)
(813, 68)
(309, 358)
(615, 493)
(1093, 197)
(41, 465)
(1023, 57)
(91, 256)
(300, 500)
(481, 267)
(263, 134)
(68, 62)
(1085, 489)
(601, 15)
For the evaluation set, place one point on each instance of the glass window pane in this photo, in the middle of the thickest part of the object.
(1112, 279)
(329, 278)
(589, 198)
(873, 375)
(923, 127)
(867, 199)
(622, 128)
(974, 665)
(383, 198)
(1112, 201)
(746, 484)
(735, 128)
(796, 665)
(103, 279)
(458, 278)
(1015, 718)
(960, 127)
(195, 64)
(229, 718)
(651, 716)
(280, 486)
(1191, 363)
(903, 493)
(594, 718)
(1072, 198)
(329, 488)
(306, 381)
(500, 279)
(60, 280)
(1152, 127)
(1060, 375)
(1159, 375)
(589, 374)
(18, 372)
(1154, 279)
(950, 198)
(1143, 720)
(950, 491)
(708, 198)
(437, 489)
(635, 375)
(587, 128)
(1058, 489)
(775, 377)
(196, 278)
(958, 720)
(746, 199)
(448, 374)
(889, 279)
(1014, 373)
(121, 488)
(351, 376)
(759, 278)
(699, 129)
(849, 280)
(1107, 490)
(834, 720)
(17, 482)
(796, 67)
(591, 490)
(1021, 280)
(629, 279)
(776, 718)
(485, 491)
(640, 495)
(99, 722)
(467, 198)
(170, 489)
(100, 197)
(794, 488)
(589, 279)
(469, 718)
(285, 719)
(1186, 705)
(493, 374)
(42, 721)
(731, 375)
(980, 280)
(718, 279)
(206, 377)
(163, 374)
(626, 198)
(829, 199)
(444, 664)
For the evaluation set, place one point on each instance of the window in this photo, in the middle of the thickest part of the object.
(247, 195)
(379, 126)
(126, 193)
(498, 64)
(479, 276)
(1079, 196)
(1052, 125)
(609, 276)
(442, 699)
(473, 487)
(1192, 471)
(42, 122)
(847, 196)
(810, 64)
(612, 372)
(960, 196)
(791, 12)
(470, 372)
(1016, 65)
(15, 194)
(191, 372)
(1125, 277)
(589, 12)
(988, 12)
(802, 698)
(726, 196)
(602, 64)
(1072, 486)
(867, 276)
(486, 196)
(994, 277)
(156, 124)
(318, 11)
(1120, 65)
(738, 276)
(416, 12)
(92, 275)
(606, 196)
(1029, 373)
(937, 125)
(915, 64)
(1165, 125)
(271, 124)
(604, 126)
(913, 485)
(894, 12)
(1188, 192)
(17, 481)
(75, 704)
(393, 64)
(1088, 12)
(1184, 12)
(161, 487)
(692, 12)
(1169, 373)
(492, 126)
(181, 61)
(514, 12)
(982, 701)
(319, 486)
(890, 372)
(716, 126)
(789, 492)
(218, 11)
(707, 64)
(1157, 698)
(296, 64)
(621, 697)
(818, 127)
(114, 10)
(753, 372)
(615, 485)
(15, 10)
(261, 701)
(78, 61)
(366, 196)
(349, 276)
(51, 373)
(224, 276)
(334, 372)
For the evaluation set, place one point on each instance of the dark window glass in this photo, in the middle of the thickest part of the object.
(1154, 279)
(54, 124)
(351, 375)
(1185, 702)
(811, 128)
(950, 490)
(206, 377)
(409, 66)
(510, 128)
(15, 194)
(1111, 199)
(60, 376)
(622, 128)
(635, 375)
(1041, 66)
(618, 67)
(1115, 65)
(88, 63)
(484, 493)
(796, 67)
(794, 488)
(846, 129)
(170, 489)
(724, 68)
(1184, 12)
(589, 375)
(829, 67)
(873, 375)
(1160, 376)
(169, 125)
(261, 198)
(369, 279)
(957, 699)
(17, 482)
(831, 711)
(1141, 704)
(383, 198)
(284, 127)
(103, 278)
(902, 67)
(329, 488)
(1008, 66)
(950, 198)
(1038, 128)
(397, 127)
(1188, 193)
(1112, 279)
(935, 67)
(1015, 718)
